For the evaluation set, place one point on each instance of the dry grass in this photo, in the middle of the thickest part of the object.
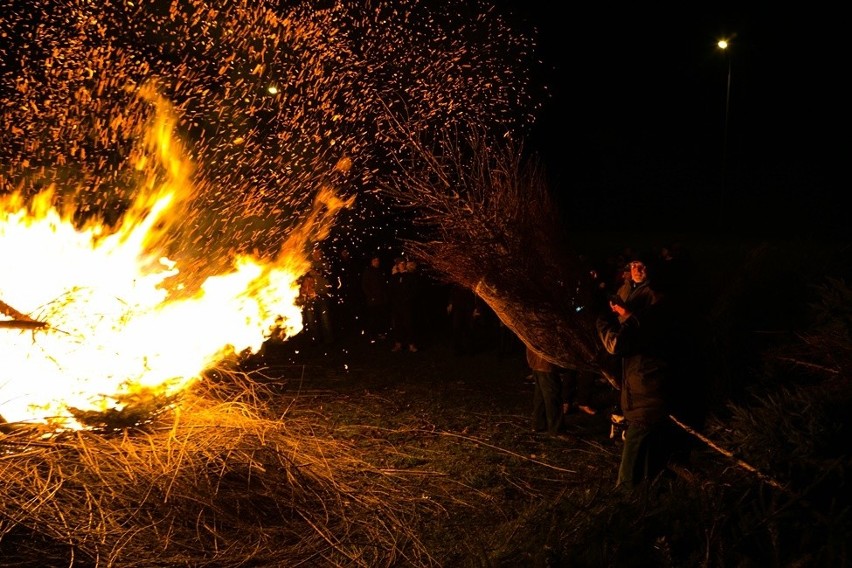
(355, 456)
(217, 481)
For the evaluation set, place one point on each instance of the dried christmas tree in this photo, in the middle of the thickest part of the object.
(487, 221)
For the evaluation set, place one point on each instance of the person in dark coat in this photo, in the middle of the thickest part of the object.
(316, 308)
(405, 293)
(463, 311)
(638, 332)
(374, 287)
(547, 394)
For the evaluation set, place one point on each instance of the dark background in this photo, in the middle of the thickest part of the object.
(633, 131)
(632, 127)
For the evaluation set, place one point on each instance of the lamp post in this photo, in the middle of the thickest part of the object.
(724, 45)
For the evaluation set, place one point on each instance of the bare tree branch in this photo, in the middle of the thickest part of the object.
(487, 221)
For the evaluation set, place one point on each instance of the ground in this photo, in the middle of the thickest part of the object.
(466, 420)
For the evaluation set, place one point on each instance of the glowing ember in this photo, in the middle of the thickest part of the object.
(150, 260)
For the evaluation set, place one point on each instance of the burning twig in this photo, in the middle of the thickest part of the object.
(20, 321)
(23, 324)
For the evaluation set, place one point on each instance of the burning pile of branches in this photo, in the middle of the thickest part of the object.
(218, 483)
(488, 223)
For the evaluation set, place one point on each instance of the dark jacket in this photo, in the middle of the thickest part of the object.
(638, 297)
(642, 342)
(374, 285)
(405, 290)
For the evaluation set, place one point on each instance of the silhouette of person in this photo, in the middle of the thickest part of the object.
(375, 290)
(463, 311)
(405, 293)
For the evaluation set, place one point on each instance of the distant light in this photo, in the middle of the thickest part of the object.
(272, 90)
(723, 44)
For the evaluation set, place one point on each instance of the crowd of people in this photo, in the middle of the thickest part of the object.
(397, 306)
(390, 301)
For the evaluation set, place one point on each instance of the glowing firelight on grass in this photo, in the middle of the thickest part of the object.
(120, 317)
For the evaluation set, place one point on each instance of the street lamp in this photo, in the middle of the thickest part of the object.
(724, 45)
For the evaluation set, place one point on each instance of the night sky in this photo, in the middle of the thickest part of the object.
(632, 130)
(633, 134)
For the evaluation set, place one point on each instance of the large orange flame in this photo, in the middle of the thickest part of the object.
(119, 316)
